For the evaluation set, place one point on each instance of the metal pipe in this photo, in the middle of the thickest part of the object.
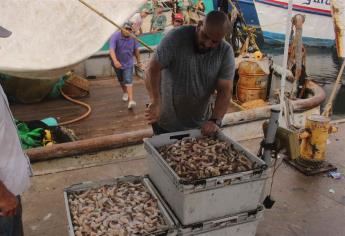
(318, 97)
(271, 134)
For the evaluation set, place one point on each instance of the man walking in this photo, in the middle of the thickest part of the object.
(190, 63)
(122, 49)
(14, 168)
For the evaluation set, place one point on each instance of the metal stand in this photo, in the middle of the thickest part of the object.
(310, 169)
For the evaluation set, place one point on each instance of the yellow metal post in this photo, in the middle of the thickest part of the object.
(314, 138)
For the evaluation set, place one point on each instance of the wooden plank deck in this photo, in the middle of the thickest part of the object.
(109, 113)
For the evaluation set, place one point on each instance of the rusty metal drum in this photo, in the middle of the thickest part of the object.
(252, 83)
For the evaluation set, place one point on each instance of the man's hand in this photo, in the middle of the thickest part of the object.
(140, 64)
(117, 65)
(152, 113)
(8, 203)
(209, 128)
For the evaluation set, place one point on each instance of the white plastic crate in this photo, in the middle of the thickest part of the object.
(169, 230)
(205, 199)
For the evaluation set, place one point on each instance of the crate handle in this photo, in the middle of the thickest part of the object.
(231, 220)
(77, 185)
(180, 136)
(196, 226)
(200, 182)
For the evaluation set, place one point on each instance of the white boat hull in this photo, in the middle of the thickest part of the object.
(318, 28)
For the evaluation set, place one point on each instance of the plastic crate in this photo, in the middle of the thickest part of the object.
(169, 230)
(205, 199)
(243, 224)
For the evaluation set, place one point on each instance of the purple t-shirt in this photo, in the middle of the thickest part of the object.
(124, 49)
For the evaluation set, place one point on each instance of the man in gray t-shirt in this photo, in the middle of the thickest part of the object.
(190, 64)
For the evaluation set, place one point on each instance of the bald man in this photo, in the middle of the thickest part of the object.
(190, 63)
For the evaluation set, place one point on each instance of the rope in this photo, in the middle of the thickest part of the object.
(116, 25)
(275, 168)
(278, 23)
(240, 13)
(328, 109)
(86, 114)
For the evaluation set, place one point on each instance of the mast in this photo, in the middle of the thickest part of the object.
(285, 60)
(338, 14)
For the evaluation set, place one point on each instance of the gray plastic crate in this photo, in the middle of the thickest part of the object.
(243, 224)
(170, 230)
(205, 199)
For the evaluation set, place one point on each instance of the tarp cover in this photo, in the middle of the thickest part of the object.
(49, 37)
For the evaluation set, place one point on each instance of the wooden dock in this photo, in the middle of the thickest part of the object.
(109, 115)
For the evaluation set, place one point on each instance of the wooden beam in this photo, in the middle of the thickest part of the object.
(88, 145)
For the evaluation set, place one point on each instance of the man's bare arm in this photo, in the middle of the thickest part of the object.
(153, 80)
(8, 202)
(114, 58)
(224, 91)
(137, 56)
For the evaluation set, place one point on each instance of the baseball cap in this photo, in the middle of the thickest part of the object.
(178, 16)
(145, 10)
(4, 33)
(127, 25)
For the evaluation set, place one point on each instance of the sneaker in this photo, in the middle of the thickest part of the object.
(131, 104)
(125, 97)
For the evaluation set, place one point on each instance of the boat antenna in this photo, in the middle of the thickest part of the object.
(285, 60)
(115, 24)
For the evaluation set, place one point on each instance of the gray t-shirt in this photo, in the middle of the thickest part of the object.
(189, 78)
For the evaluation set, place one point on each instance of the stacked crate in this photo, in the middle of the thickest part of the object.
(79, 192)
(218, 205)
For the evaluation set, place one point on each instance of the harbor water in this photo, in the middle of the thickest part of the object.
(322, 65)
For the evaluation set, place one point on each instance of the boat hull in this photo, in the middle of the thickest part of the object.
(249, 12)
(318, 26)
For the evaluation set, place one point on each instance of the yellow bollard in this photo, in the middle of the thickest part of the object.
(314, 138)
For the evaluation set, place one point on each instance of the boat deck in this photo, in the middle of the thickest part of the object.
(109, 113)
